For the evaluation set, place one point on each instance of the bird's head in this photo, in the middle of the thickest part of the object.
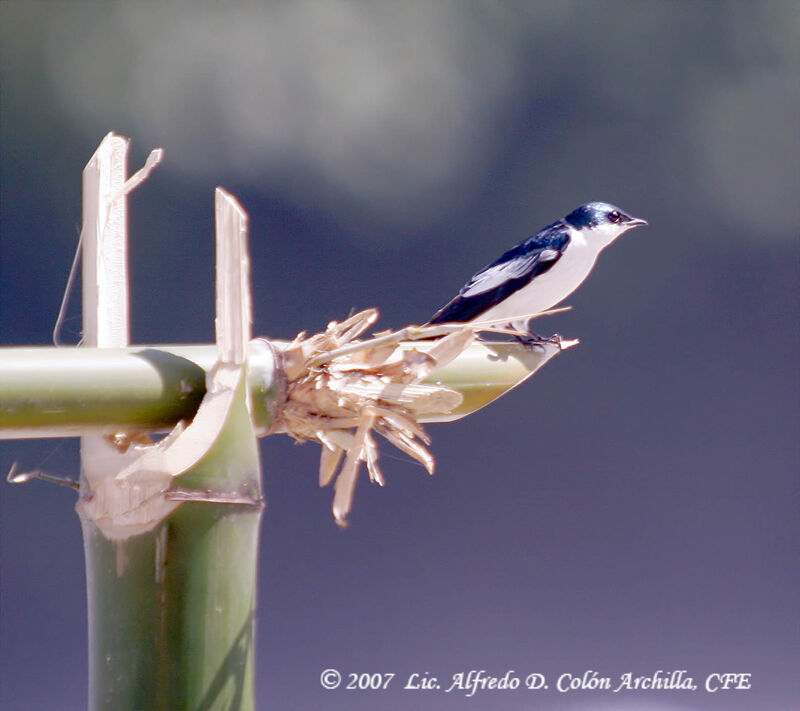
(602, 221)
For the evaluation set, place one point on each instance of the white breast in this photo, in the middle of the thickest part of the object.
(549, 289)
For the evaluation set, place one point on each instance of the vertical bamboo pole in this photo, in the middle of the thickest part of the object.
(170, 530)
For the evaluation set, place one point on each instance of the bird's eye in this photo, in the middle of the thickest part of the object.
(614, 216)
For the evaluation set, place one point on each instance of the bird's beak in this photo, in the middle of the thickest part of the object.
(635, 222)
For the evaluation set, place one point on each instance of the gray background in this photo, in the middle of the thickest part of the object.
(632, 508)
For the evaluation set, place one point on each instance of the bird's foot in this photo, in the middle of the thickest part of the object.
(535, 340)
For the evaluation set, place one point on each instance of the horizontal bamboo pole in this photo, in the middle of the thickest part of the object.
(65, 392)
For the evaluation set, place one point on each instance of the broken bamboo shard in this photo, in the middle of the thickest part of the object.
(234, 305)
(486, 371)
(105, 246)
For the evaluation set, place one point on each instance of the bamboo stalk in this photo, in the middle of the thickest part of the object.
(171, 609)
(171, 529)
(62, 392)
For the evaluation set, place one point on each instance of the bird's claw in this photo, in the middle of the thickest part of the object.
(535, 340)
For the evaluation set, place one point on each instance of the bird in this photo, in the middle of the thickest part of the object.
(540, 272)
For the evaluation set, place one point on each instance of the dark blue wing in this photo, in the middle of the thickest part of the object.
(513, 270)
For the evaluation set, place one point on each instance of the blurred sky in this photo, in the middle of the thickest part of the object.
(632, 508)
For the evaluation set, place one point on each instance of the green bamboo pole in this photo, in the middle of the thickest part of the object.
(171, 609)
(170, 530)
(61, 392)
(57, 392)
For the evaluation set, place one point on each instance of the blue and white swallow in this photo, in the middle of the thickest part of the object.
(541, 271)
